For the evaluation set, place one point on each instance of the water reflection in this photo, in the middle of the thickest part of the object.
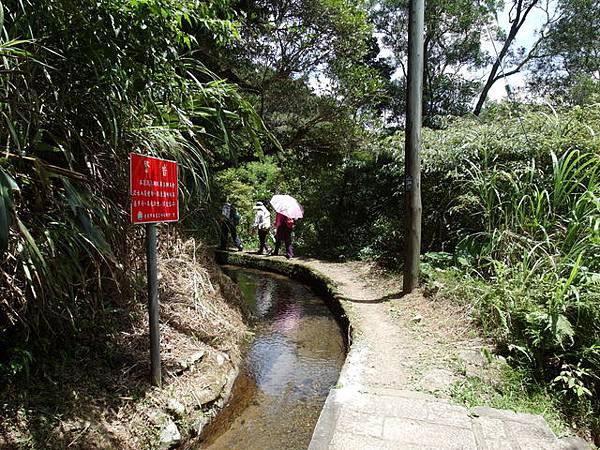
(293, 361)
(264, 296)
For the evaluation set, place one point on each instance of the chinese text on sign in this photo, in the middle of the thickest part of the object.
(154, 190)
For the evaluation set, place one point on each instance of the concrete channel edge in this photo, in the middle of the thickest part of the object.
(325, 288)
(536, 434)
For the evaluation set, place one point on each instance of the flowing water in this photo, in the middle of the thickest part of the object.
(293, 361)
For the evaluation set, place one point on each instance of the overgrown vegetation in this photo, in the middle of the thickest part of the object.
(81, 88)
(254, 98)
(511, 216)
(523, 225)
(84, 84)
(514, 390)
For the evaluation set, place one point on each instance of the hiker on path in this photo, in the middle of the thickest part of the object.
(229, 221)
(288, 210)
(262, 223)
(284, 226)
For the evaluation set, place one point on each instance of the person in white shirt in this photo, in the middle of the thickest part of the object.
(262, 223)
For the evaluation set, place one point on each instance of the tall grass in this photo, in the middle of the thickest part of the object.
(528, 243)
(81, 86)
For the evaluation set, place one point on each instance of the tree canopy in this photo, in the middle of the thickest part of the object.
(257, 97)
(569, 61)
(453, 47)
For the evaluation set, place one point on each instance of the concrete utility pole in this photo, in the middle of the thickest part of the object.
(412, 171)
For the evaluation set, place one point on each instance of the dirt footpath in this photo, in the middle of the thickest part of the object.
(411, 342)
(394, 388)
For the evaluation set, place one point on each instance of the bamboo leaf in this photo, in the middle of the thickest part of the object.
(7, 186)
(32, 245)
(4, 219)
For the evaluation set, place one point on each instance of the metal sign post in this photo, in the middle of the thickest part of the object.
(153, 310)
(154, 198)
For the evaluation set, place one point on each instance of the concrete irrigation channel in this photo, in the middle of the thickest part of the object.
(372, 406)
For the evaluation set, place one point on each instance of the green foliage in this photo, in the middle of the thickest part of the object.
(83, 85)
(346, 214)
(306, 66)
(511, 218)
(243, 186)
(524, 223)
(260, 176)
(513, 390)
(453, 36)
(568, 69)
(310, 69)
(18, 363)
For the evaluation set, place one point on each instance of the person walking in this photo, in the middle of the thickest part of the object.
(262, 223)
(229, 221)
(284, 226)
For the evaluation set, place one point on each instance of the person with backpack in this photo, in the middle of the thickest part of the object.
(262, 223)
(284, 226)
(229, 221)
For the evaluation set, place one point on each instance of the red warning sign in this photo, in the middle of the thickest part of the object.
(154, 189)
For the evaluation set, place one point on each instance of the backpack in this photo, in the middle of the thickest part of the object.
(235, 217)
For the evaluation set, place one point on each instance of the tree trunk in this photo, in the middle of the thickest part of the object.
(493, 76)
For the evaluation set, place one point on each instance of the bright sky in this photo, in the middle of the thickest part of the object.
(526, 38)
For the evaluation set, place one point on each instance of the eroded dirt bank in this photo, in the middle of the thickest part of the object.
(101, 397)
